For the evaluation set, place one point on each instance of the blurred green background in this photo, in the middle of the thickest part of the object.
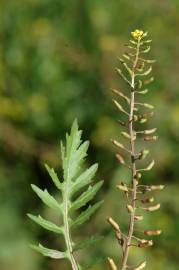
(57, 61)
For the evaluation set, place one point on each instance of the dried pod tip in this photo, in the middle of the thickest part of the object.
(112, 264)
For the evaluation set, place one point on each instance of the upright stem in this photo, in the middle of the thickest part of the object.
(67, 232)
(133, 165)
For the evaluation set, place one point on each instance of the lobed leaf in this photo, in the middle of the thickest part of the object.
(84, 179)
(55, 254)
(85, 215)
(86, 196)
(46, 198)
(54, 176)
(48, 225)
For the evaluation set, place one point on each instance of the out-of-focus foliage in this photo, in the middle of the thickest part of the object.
(57, 62)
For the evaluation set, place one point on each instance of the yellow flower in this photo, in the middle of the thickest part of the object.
(137, 33)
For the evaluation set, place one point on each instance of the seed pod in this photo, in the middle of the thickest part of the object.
(112, 264)
(143, 154)
(146, 105)
(143, 92)
(152, 232)
(123, 76)
(143, 120)
(146, 50)
(147, 72)
(140, 266)
(113, 223)
(152, 208)
(118, 144)
(139, 84)
(157, 187)
(125, 55)
(148, 200)
(148, 131)
(122, 187)
(130, 208)
(120, 159)
(121, 95)
(138, 217)
(150, 166)
(149, 80)
(120, 108)
(144, 243)
(125, 135)
(150, 138)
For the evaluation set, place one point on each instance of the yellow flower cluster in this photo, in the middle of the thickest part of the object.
(137, 33)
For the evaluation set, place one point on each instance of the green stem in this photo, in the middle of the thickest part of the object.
(67, 231)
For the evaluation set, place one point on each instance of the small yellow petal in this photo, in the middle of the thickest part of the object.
(137, 33)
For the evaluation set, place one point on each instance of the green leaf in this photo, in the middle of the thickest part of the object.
(54, 176)
(55, 254)
(86, 196)
(46, 198)
(84, 216)
(46, 224)
(87, 242)
(84, 179)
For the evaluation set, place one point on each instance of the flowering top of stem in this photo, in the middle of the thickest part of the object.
(137, 33)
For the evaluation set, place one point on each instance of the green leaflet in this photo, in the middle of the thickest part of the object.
(84, 179)
(54, 176)
(85, 215)
(87, 242)
(76, 160)
(86, 196)
(46, 198)
(46, 224)
(55, 254)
